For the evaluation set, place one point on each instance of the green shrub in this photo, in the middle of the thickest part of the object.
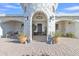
(62, 34)
(22, 34)
(57, 34)
(70, 34)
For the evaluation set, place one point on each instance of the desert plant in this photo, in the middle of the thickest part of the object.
(22, 37)
(57, 34)
(70, 34)
(21, 34)
(62, 34)
(56, 37)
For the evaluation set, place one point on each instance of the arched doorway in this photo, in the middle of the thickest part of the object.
(39, 26)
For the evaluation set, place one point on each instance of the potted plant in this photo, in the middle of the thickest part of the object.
(22, 37)
(56, 37)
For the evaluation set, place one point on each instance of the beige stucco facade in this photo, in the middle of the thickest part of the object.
(67, 24)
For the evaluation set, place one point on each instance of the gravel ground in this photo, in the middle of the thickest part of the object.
(66, 47)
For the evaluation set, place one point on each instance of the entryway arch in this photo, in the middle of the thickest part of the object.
(39, 26)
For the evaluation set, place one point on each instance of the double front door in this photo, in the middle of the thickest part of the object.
(39, 27)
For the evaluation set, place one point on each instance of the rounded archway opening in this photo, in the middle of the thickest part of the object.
(65, 26)
(11, 28)
(39, 26)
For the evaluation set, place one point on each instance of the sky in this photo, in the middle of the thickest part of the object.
(11, 9)
(63, 8)
(68, 9)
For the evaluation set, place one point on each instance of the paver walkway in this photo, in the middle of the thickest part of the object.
(40, 38)
(66, 47)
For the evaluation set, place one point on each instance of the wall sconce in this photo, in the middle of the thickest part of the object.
(26, 18)
(51, 17)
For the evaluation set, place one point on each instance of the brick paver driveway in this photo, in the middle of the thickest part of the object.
(66, 47)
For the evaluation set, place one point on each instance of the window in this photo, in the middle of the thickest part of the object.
(57, 26)
(39, 17)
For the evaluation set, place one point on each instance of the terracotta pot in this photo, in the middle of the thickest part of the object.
(22, 39)
(56, 40)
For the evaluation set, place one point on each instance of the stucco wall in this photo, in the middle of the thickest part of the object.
(70, 27)
(77, 29)
(27, 27)
(10, 18)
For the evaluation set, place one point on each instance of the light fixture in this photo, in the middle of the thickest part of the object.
(26, 17)
(51, 17)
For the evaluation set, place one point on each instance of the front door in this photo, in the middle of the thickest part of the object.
(39, 28)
